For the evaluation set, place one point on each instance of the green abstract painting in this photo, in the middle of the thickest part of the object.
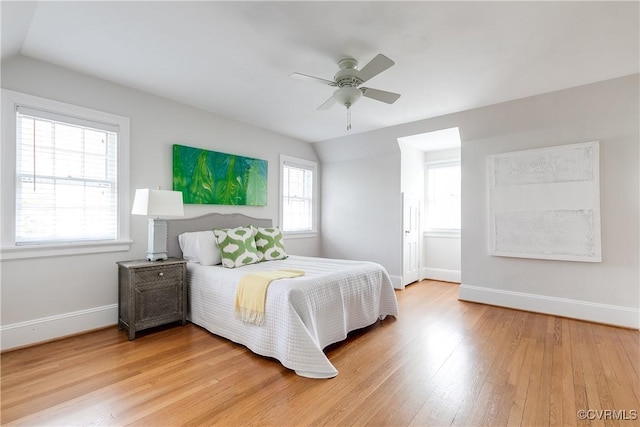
(209, 177)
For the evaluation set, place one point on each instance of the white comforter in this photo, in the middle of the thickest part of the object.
(303, 315)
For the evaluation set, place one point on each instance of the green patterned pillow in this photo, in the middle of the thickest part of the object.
(269, 243)
(237, 246)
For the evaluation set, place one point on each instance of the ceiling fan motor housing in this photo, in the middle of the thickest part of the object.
(347, 76)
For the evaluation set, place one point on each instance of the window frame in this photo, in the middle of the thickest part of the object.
(8, 248)
(313, 167)
(439, 232)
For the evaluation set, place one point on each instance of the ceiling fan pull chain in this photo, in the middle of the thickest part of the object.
(348, 117)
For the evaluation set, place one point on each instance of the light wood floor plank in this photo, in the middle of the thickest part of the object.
(443, 362)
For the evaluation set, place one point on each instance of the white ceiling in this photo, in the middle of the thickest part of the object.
(234, 58)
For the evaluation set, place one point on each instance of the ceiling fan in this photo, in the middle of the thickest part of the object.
(348, 80)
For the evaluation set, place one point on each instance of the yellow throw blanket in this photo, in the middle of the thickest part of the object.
(252, 293)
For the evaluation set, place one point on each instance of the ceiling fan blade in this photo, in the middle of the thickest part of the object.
(374, 67)
(306, 77)
(327, 104)
(380, 95)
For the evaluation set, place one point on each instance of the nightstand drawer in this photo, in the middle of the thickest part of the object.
(164, 273)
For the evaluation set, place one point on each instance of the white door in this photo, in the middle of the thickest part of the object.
(411, 239)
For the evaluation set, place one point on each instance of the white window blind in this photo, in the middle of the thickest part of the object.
(297, 197)
(443, 196)
(66, 179)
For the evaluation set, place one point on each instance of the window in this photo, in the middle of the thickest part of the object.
(443, 197)
(66, 179)
(68, 187)
(298, 203)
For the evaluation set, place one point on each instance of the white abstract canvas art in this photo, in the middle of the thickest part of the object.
(545, 203)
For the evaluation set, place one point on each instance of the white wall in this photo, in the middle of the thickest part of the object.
(359, 220)
(608, 111)
(51, 297)
(442, 258)
(361, 214)
(607, 292)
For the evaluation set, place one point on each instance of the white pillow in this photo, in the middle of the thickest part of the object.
(200, 246)
(188, 246)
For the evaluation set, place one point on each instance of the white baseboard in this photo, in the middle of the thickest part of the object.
(601, 313)
(396, 281)
(48, 328)
(441, 274)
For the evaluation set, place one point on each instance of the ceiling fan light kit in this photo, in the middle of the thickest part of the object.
(348, 80)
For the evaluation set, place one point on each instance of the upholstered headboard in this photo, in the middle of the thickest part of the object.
(175, 227)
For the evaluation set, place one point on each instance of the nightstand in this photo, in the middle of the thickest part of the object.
(151, 293)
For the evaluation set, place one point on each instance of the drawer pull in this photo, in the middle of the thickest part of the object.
(161, 274)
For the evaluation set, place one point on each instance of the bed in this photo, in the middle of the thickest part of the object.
(303, 314)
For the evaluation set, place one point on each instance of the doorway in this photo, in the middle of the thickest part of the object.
(430, 253)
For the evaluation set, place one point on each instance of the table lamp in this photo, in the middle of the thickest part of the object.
(154, 204)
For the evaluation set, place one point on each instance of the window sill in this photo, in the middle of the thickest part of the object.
(448, 234)
(300, 234)
(64, 249)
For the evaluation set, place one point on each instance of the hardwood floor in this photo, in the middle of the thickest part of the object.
(442, 362)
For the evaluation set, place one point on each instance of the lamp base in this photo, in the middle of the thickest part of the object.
(157, 243)
(156, 257)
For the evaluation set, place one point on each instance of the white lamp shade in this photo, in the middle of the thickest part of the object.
(157, 203)
(347, 96)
